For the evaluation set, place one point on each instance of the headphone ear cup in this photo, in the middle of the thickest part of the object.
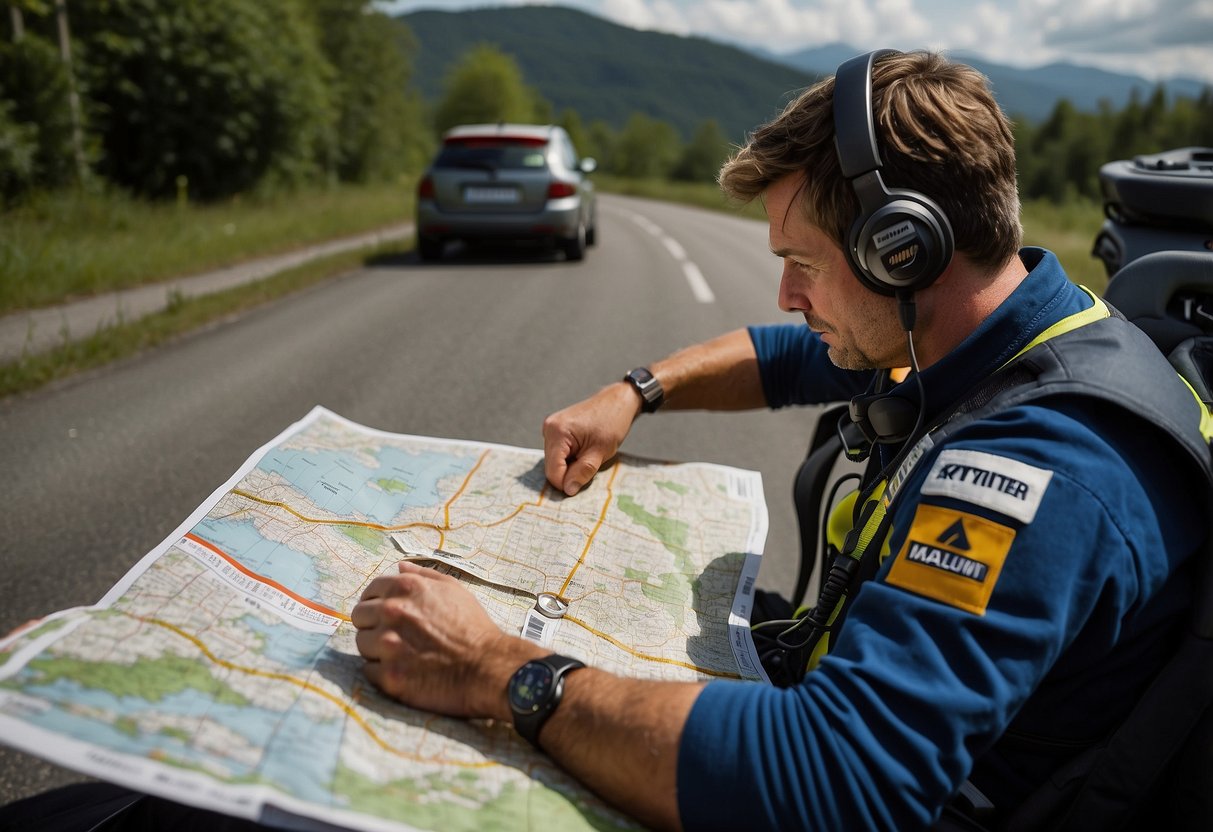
(902, 246)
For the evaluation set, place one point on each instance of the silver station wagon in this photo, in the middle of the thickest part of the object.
(506, 182)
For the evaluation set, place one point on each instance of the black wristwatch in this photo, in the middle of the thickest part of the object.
(535, 690)
(648, 387)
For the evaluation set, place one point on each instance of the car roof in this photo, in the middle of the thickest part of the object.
(502, 130)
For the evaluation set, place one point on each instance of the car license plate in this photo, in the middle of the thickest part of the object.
(482, 195)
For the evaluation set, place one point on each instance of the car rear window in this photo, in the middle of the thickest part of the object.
(492, 152)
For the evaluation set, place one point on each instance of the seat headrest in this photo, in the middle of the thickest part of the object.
(1160, 293)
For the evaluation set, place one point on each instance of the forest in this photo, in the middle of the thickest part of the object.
(205, 102)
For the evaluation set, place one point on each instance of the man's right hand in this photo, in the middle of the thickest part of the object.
(580, 438)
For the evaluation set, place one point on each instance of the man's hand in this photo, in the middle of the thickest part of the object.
(578, 439)
(430, 644)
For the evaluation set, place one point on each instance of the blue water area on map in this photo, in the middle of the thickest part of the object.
(285, 644)
(337, 482)
(306, 747)
(303, 754)
(280, 563)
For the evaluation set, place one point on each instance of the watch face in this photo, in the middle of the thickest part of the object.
(530, 687)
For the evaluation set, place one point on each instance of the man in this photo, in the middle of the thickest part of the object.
(1038, 555)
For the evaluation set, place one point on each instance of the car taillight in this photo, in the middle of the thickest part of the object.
(559, 190)
(426, 189)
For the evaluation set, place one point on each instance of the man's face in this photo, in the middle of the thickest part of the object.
(859, 326)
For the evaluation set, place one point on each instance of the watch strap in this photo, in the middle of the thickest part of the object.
(528, 725)
(649, 388)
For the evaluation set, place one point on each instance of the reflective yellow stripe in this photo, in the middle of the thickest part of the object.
(1098, 310)
(866, 538)
(1206, 418)
(869, 530)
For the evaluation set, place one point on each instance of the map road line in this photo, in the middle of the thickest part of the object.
(307, 686)
(590, 540)
(631, 651)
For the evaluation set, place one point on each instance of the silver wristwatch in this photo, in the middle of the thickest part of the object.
(648, 387)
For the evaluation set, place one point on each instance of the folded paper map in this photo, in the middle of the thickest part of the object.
(221, 670)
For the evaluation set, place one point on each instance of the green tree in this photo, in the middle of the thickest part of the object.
(34, 88)
(703, 155)
(601, 144)
(646, 148)
(228, 93)
(1127, 127)
(1155, 117)
(379, 129)
(485, 86)
(1203, 127)
(571, 122)
(18, 148)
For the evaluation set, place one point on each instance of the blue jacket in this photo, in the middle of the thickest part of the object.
(1029, 597)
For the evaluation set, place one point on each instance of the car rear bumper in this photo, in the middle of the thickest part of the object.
(558, 219)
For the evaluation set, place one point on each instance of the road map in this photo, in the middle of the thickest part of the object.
(221, 670)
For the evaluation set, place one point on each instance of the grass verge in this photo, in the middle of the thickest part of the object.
(702, 194)
(63, 245)
(181, 316)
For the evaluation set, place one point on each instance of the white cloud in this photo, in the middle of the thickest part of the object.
(1152, 38)
(662, 15)
(785, 25)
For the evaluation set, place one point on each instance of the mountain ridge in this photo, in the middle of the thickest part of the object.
(1030, 92)
(607, 71)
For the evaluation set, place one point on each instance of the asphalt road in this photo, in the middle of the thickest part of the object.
(97, 470)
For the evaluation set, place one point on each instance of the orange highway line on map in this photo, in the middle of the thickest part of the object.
(723, 674)
(590, 540)
(446, 510)
(262, 579)
(329, 521)
(334, 521)
(282, 677)
(537, 504)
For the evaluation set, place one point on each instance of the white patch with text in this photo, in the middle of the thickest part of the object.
(1005, 485)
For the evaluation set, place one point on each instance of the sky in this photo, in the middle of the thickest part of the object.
(1155, 39)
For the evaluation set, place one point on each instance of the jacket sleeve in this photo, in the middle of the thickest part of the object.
(929, 672)
(796, 369)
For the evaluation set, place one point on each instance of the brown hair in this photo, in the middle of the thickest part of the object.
(939, 131)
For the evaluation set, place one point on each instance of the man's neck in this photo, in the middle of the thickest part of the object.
(963, 297)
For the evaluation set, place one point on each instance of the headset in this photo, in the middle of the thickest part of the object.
(902, 240)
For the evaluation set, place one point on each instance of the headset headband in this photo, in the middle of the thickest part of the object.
(854, 127)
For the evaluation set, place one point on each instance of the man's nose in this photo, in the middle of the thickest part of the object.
(791, 294)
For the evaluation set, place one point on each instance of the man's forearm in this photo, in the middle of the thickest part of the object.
(620, 737)
(721, 374)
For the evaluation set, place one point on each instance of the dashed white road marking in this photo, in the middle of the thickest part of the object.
(695, 279)
(699, 286)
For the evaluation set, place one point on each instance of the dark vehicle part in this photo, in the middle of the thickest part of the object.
(1157, 202)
